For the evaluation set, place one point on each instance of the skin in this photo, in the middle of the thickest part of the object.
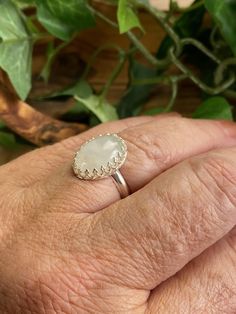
(164, 4)
(72, 246)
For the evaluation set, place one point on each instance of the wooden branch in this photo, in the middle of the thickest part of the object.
(33, 125)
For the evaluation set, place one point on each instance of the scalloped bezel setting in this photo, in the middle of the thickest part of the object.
(100, 157)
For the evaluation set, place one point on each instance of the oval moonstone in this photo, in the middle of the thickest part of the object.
(100, 157)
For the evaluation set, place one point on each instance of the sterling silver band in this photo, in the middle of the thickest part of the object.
(121, 184)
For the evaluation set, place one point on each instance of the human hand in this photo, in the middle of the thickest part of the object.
(72, 246)
(165, 4)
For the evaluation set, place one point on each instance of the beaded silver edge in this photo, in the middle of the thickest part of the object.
(106, 171)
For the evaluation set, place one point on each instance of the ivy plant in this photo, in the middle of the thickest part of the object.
(202, 53)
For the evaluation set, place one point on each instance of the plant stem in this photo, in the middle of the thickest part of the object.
(219, 73)
(230, 93)
(114, 75)
(45, 73)
(150, 81)
(174, 92)
(144, 51)
(103, 17)
(207, 89)
(164, 79)
(169, 30)
(201, 47)
(216, 43)
(96, 53)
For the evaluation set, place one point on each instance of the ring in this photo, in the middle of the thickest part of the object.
(101, 157)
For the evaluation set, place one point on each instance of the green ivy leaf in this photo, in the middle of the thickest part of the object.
(126, 16)
(63, 18)
(83, 94)
(96, 104)
(54, 25)
(78, 109)
(81, 89)
(2, 124)
(100, 107)
(22, 4)
(15, 48)
(216, 108)
(224, 13)
(7, 140)
(154, 111)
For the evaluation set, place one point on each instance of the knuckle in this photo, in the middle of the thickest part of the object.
(149, 147)
(217, 176)
(158, 148)
(220, 172)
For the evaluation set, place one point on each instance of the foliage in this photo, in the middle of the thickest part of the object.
(223, 13)
(24, 22)
(127, 18)
(15, 47)
(214, 108)
(63, 18)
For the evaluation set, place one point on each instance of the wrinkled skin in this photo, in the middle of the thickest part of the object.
(72, 246)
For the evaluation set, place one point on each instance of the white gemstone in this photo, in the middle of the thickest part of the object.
(105, 153)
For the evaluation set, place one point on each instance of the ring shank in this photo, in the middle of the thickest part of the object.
(121, 184)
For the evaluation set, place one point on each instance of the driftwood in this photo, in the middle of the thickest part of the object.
(33, 125)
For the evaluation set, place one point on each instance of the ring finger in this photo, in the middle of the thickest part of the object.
(153, 147)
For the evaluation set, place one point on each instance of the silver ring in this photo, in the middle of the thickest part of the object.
(102, 157)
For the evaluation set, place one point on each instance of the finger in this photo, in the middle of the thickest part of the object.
(72, 144)
(206, 285)
(149, 236)
(39, 163)
(153, 147)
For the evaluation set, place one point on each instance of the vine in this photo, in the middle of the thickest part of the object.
(184, 28)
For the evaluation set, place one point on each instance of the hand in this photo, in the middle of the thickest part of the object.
(164, 4)
(72, 246)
